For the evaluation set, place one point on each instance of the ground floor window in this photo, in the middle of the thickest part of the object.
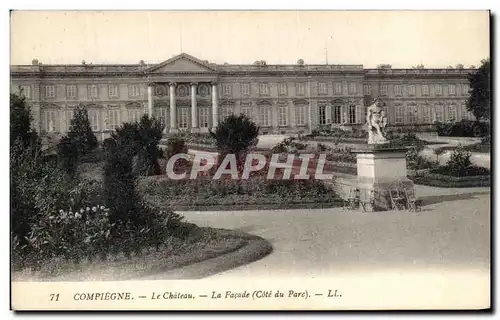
(283, 116)
(336, 117)
(247, 111)
(134, 115)
(70, 114)
(300, 115)
(438, 112)
(352, 114)
(322, 115)
(265, 116)
(94, 119)
(425, 112)
(412, 113)
(162, 115)
(399, 114)
(203, 115)
(183, 119)
(452, 112)
(113, 119)
(225, 112)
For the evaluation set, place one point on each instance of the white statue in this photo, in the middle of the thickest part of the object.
(376, 120)
(345, 120)
(51, 125)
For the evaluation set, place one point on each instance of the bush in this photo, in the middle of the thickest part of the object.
(463, 128)
(235, 135)
(176, 145)
(459, 159)
(288, 145)
(80, 133)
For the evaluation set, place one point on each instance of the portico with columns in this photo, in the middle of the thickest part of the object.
(187, 88)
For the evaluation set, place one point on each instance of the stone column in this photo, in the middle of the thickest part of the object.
(194, 108)
(215, 106)
(150, 100)
(173, 109)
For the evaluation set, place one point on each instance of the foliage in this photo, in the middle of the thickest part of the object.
(288, 145)
(80, 133)
(20, 121)
(236, 135)
(67, 153)
(463, 128)
(175, 145)
(479, 101)
(459, 159)
(447, 181)
(328, 131)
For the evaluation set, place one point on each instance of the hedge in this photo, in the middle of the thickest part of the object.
(445, 181)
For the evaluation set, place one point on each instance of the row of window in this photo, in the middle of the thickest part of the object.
(264, 117)
(400, 89)
(429, 113)
(50, 92)
(300, 88)
(334, 114)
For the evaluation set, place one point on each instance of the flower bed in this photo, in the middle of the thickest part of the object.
(162, 192)
(446, 181)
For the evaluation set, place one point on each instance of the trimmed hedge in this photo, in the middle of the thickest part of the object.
(446, 181)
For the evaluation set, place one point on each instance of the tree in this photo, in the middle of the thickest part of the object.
(235, 135)
(479, 100)
(80, 133)
(438, 152)
(20, 122)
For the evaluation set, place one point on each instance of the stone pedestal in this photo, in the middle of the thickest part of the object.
(379, 171)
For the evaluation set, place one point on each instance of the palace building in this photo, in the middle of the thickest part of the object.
(188, 94)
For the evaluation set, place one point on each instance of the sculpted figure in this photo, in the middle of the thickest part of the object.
(376, 120)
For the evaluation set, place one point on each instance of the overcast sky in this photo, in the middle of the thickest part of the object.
(399, 38)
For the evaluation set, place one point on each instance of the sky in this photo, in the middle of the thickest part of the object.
(400, 38)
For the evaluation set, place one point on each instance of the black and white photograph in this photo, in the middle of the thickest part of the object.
(250, 160)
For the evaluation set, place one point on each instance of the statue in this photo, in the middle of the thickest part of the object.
(376, 120)
(51, 125)
(345, 120)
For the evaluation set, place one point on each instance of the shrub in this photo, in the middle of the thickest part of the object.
(20, 122)
(459, 159)
(463, 128)
(236, 135)
(175, 145)
(80, 133)
(67, 153)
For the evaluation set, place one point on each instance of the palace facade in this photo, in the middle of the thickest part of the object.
(188, 94)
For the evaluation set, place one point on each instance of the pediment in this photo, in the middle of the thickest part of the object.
(182, 63)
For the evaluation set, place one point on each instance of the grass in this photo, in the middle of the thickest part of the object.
(477, 147)
(202, 244)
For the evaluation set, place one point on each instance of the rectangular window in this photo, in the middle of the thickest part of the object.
(183, 119)
(50, 91)
(69, 116)
(71, 91)
(245, 89)
(336, 117)
(203, 116)
(113, 91)
(397, 90)
(399, 114)
(264, 89)
(367, 89)
(425, 90)
(94, 119)
(247, 111)
(113, 119)
(283, 89)
(452, 112)
(411, 90)
(439, 89)
(322, 88)
(50, 120)
(93, 92)
(162, 115)
(265, 116)
(133, 90)
(134, 115)
(227, 89)
(412, 113)
(301, 89)
(225, 112)
(426, 118)
(352, 88)
(383, 90)
(438, 112)
(283, 116)
(452, 89)
(352, 114)
(322, 115)
(338, 88)
(300, 115)
(465, 89)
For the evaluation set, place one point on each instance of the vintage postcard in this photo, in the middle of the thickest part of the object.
(250, 160)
